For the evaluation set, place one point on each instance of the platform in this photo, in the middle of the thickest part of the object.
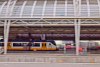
(48, 65)
(49, 58)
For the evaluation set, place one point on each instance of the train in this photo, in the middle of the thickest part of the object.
(34, 46)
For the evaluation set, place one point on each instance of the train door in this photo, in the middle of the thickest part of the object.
(9, 45)
(25, 46)
(44, 45)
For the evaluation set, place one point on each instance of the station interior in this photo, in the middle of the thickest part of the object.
(50, 26)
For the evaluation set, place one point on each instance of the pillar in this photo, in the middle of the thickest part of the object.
(77, 35)
(6, 34)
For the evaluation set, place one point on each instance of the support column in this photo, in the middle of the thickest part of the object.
(77, 35)
(5, 45)
(6, 34)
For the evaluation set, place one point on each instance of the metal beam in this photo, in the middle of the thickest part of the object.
(51, 25)
(45, 2)
(2, 6)
(7, 9)
(33, 7)
(66, 7)
(13, 7)
(55, 5)
(48, 17)
(88, 8)
(79, 8)
(75, 7)
(99, 6)
(22, 9)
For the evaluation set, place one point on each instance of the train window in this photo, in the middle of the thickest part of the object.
(49, 43)
(1, 44)
(17, 44)
(36, 44)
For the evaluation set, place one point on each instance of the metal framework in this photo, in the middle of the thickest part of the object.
(54, 12)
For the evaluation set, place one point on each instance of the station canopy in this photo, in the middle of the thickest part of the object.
(49, 9)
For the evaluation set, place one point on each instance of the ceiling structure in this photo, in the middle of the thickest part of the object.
(50, 16)
(79, 14)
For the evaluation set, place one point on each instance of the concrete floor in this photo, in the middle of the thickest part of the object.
(48, 65)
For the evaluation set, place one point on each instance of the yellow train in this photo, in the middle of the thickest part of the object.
(35, 46)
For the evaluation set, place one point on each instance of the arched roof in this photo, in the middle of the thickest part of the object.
(50, 9)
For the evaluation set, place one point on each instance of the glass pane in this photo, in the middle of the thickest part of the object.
(18, 44)
(49, 9)
(36, 45)
(60, 8)
(38, 8)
